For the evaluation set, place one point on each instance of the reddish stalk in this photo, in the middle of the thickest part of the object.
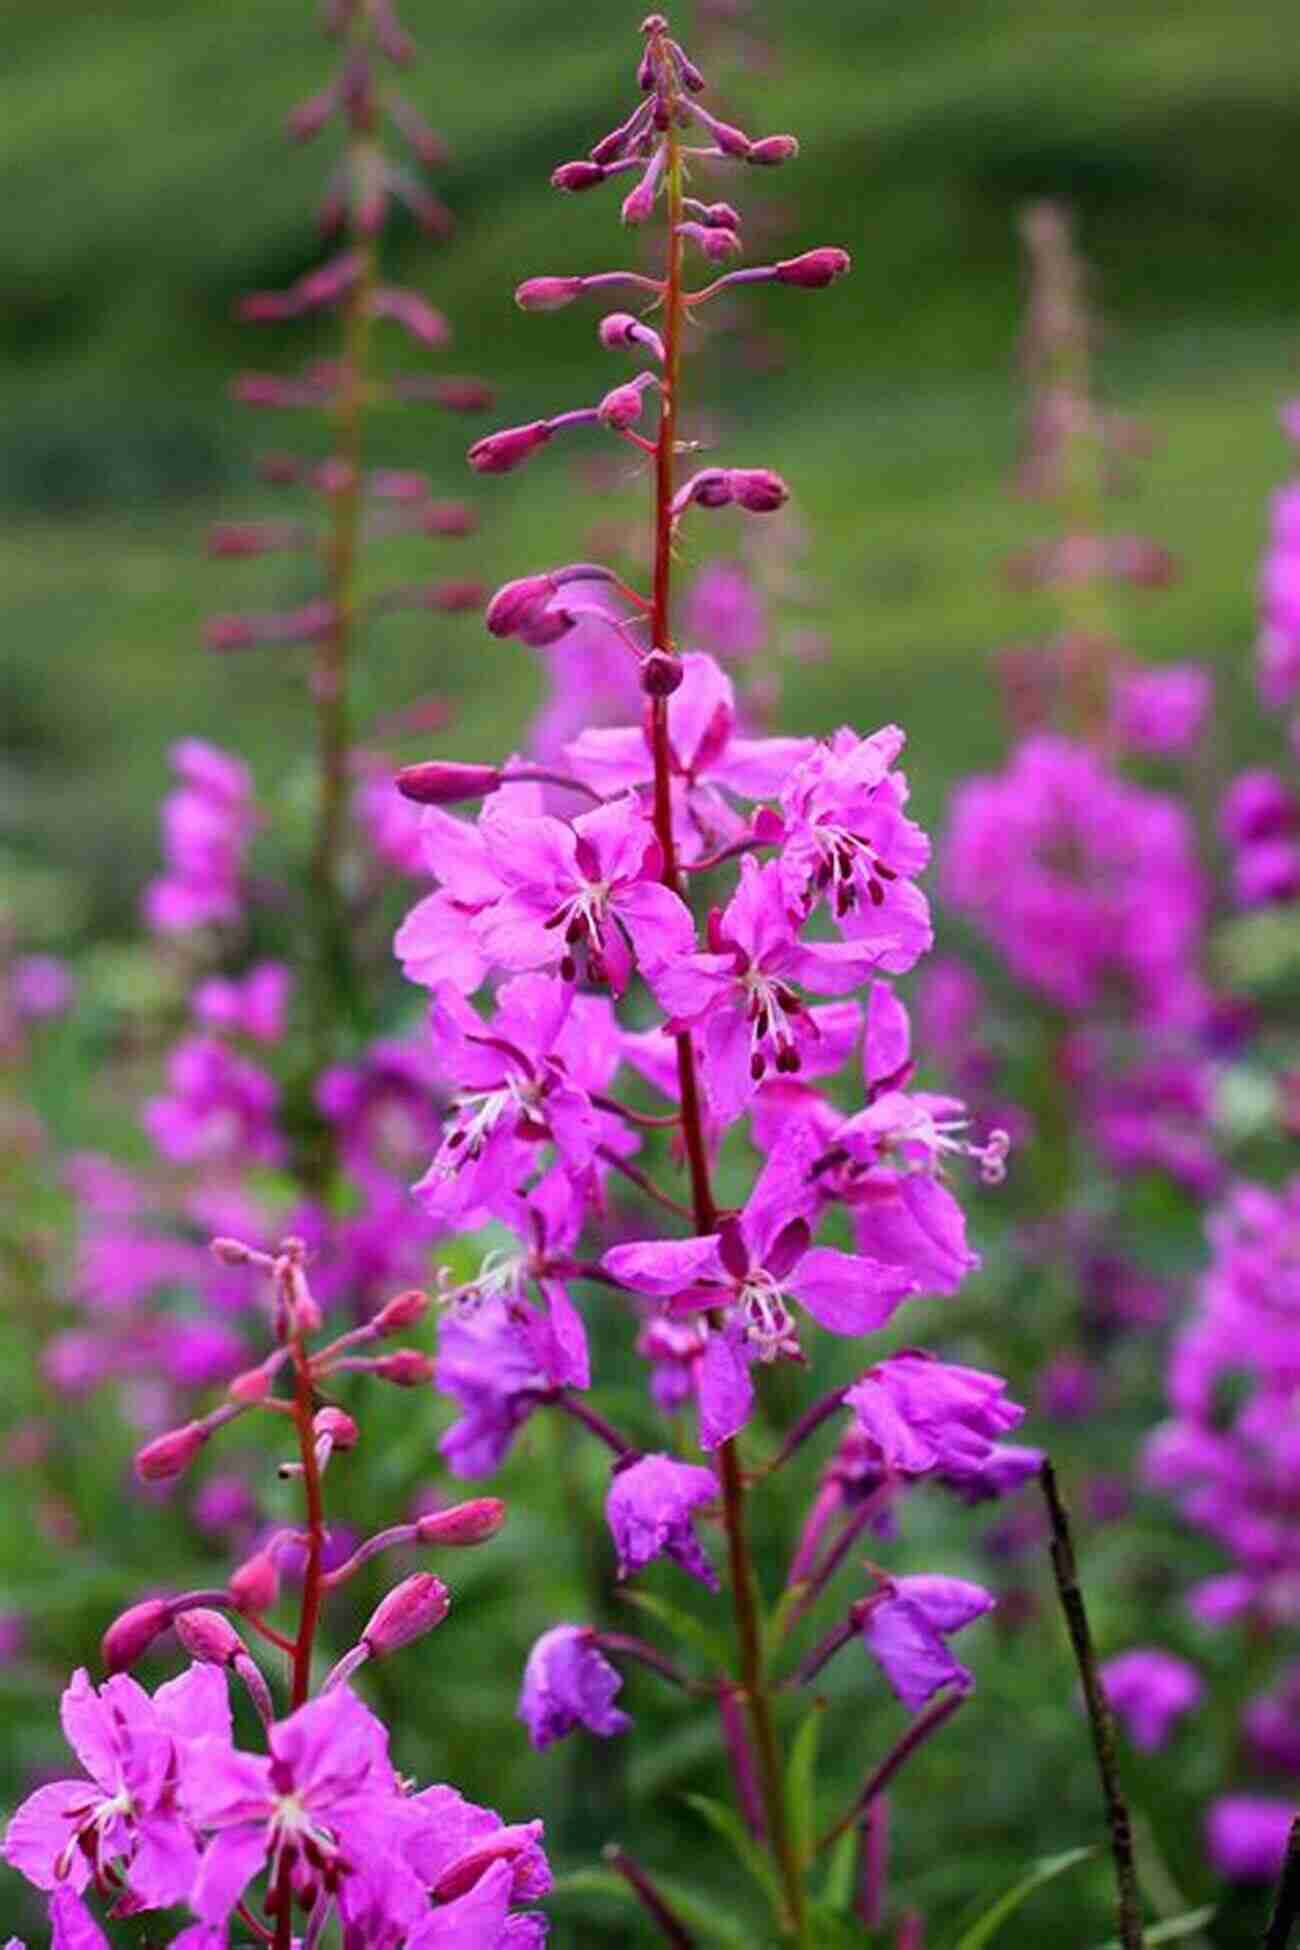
(312, 1592)
(744, 1584)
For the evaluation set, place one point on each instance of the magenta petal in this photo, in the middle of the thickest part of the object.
(846, 1293)
(660, 924)
(89, 1731)
(163, 1866)
(910, 1649)
(726, 1392)
(41, 1827)
(475, 1921)
(889, 1035)
(73, 1925)
(663, 1265)
(230, 1861)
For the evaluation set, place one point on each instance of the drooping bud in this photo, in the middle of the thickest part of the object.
(813, 270)
(771, 150)
(168, 1455)
(498, 453)
(232, 1252)
(619, 328)
(249, 1388)
(439, 783)
(338, 1425)
(410, 1609)
(254, 1585)
(621, 407)
(131, 1634)
(731, 141)
(575, 176)
(661, 674)
(208, 1637)
(547, 294)
(715, 242)
(404, 1309)
(516, 600)
(448, 518)
(758, 490)
(467, 1523)
(406, 1367)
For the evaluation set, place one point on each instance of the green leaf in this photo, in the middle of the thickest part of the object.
(831, 1930)
(727, 1823)
(700, 1913)
(985, 1927)
(801, 1784)
(838, 1891)
(682, 1626)
(1171, 1931)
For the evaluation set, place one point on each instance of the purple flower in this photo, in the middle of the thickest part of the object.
(567, 1684)
(74, 1928)
(130, 1810)
(1271, 1723)
(324, 1801)
(740, 997)
(747, 1270)
(588, 890)
(1161, 711)
(650, 1508)
(40, 986)
(220, 1108)
(847, 840)
(252, 1007)
(1246, 1835)
(1148, 1690)
(436, 943)
(908, 1630)
(207, 824)
(724, 611)
(924, 1415)
(514, 1089)
(489, 1368)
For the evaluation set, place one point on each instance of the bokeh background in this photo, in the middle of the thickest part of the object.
(147, 184)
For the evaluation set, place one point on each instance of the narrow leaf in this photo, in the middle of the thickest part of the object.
(1171, 1931)
(986, 1927)
(837, 1893)
(801, 1784)
(726, 1822)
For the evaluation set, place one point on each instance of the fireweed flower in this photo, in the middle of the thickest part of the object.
(568, 1684)
(1149, 1691)
(649, 1508)
(923, 1415)
(208, 822)
(746, 1273)
(908, 1627)
(131, 1812)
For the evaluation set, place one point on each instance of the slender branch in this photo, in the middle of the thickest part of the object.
(670, 1925)
(880, 1777)
(648, 1119)
(594, 1423)
(645, 1184)
(1286, 1899)
(1129, 1905)
(650, 1656)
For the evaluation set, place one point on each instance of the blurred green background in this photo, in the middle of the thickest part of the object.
(148, 184)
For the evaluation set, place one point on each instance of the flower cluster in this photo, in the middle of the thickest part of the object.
(1227, 1456)
(169, 1812)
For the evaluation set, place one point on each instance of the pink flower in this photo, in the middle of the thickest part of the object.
(567, 1684)
(908, 1631)
(650, 1506)
(1149, 1690)
(924, 1415)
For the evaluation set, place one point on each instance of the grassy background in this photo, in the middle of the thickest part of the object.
(147, 185)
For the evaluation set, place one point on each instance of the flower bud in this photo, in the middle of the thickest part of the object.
(463, 395)
(758, 489)
(254, 1585)
(207, 1636)
(770, 150)
(516, 600)
(639, 203)
(436, 783)
(406, 1367)
(543, 626)
(547, 294)
(448, 518)
(338, 1425)
(498, 452)
(231, 1252)
(465, 1523)
(710, 488)
(813, 270)
(131, 1635)
(249, 1388)
(404, 1309)
(621, 407)
(167, 1455)
(576, 176)
(410, 1609)
(661, 674)
(731, 141)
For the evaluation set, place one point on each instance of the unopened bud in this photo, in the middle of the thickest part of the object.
(758, 489)
(448, 518)
(231, 1252)
(254, 1584)
(168, 1455)
(731, 141)
(406, 1367)
(813, 270)
(621, 407)
(131, 1635)
(207, 1636)
(404, 1309)
(338, 1425)
(770, 150)
(576, 176)
(498, 453)
(410, 1609)
(437, 784)
(253, 1386)
(661, 673)
(547, 294)
(465, 1523)
(514, 601)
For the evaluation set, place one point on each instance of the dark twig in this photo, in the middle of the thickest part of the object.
(671, 1927)
(1129, 1906)
(1286, 1900)
(881, 1775)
